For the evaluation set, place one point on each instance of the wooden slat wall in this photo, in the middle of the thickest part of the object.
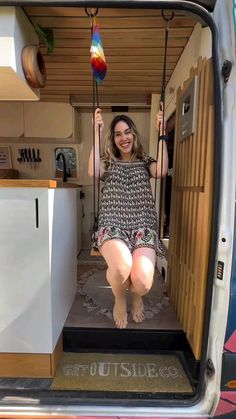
(191, 211)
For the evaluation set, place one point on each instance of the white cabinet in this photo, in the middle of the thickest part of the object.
(38, 260)
(16, 31)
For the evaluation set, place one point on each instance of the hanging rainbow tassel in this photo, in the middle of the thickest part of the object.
(98, 61)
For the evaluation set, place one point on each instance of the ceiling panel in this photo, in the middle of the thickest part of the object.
(133, 42)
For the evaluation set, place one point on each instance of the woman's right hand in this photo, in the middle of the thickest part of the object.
(98, 119)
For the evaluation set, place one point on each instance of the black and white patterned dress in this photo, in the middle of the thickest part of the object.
(127, 209)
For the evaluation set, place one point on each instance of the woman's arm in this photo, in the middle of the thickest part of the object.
(99, 168)
(160, 168)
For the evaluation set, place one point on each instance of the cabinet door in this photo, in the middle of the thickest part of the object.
(24, 260)
(48, 120)
(11, 119)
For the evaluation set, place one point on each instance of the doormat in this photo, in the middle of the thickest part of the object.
(121, 372)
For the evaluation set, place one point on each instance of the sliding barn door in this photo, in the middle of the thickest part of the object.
(191, 204)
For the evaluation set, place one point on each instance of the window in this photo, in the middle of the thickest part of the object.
(70, 160)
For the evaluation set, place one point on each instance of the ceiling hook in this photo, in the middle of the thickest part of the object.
(167, 19)
(92, 13)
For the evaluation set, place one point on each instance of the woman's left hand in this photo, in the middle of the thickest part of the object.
(159, 120)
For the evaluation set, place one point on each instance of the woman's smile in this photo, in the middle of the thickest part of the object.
(125, 144)
(124, 139)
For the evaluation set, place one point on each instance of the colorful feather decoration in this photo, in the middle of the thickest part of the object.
(98, 61)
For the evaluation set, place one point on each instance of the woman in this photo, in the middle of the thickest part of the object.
(127, 234)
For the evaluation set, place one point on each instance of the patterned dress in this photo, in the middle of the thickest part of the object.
(127, 209)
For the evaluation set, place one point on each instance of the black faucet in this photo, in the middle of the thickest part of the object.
(65, 173)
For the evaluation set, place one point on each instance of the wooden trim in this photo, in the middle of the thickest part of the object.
(56, 356)
(25, 365)
(30, 365)
(36, 183)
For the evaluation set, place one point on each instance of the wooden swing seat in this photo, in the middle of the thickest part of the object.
(95, 252)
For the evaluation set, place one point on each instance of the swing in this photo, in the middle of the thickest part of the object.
(94, 250)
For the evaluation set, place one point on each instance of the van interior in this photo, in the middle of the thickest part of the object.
(176, 322)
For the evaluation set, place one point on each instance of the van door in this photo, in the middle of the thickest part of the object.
(190, 225)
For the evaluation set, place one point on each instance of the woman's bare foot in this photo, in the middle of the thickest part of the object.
(137, 309)
(120, 312)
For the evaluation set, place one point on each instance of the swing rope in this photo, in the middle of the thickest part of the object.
(100, 75)
(163, 136)
(95, 208)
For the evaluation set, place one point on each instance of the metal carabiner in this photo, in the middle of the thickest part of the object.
(167, 18)
(92, 13)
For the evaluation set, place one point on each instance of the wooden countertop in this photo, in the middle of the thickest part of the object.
(36, 183)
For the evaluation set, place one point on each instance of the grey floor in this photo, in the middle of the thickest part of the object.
(94, 300)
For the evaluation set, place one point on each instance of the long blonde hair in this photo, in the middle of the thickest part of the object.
(111, 152)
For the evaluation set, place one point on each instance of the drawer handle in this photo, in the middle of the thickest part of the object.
(37, 212)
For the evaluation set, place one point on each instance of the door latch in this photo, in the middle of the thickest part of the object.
(210, 368)
(226, 70)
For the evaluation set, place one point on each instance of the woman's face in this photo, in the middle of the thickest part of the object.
(124, 139)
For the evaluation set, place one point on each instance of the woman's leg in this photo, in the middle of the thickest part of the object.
(141, 276)
(119, 262)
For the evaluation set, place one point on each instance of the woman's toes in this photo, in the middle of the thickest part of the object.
(137, 309)
(120, 313)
